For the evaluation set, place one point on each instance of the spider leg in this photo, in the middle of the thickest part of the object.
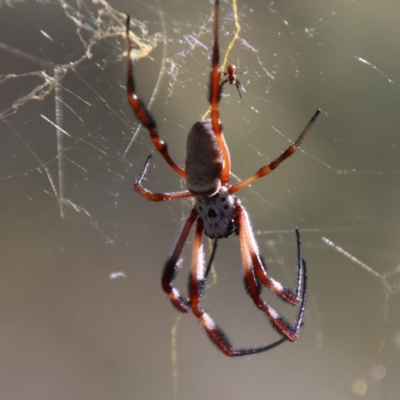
(156, 196)
(215, 90)
(172, 266)
(239, 87)
(275, 164)
(255, 272)
(223, 82)
(211, 260)
(197, 285)
(142, 112)
(247, 237)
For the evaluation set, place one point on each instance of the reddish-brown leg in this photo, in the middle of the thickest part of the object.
(172, 266)
(141, 111)
(275, 164)
(248, 238)
(156, 196)
(215, 97)
(197, 286)
(255, 274)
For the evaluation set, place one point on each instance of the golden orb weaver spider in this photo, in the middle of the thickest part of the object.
(217, 212)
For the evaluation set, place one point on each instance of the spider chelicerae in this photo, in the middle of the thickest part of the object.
(217, 212)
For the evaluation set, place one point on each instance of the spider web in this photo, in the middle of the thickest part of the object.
(83, 315)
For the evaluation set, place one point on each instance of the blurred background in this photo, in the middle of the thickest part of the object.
(82, 312)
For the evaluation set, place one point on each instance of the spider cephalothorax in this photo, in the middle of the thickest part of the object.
(217, 212)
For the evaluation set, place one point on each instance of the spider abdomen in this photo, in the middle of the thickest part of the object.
(217, 213)
(204, 160)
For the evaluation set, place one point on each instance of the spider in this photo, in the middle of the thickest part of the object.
(217, 213)
(232, 79)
